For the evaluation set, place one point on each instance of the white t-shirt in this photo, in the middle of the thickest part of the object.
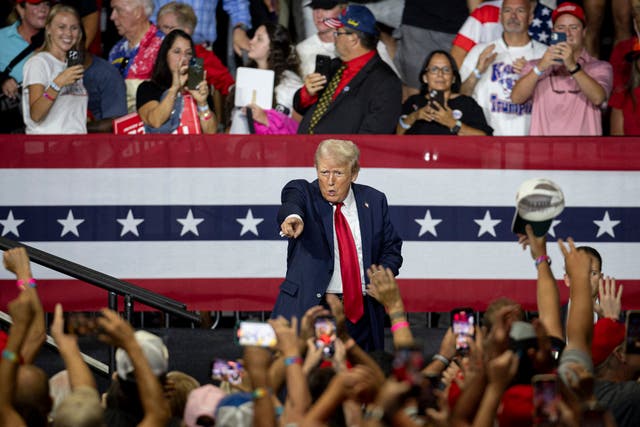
(493, 91)
(68, 114)
(289, 83)
(312, 46)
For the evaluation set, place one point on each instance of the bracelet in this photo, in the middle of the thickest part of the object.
(54, 86)
(442, 359)
(10, 356)
(399, 325)
(203, 109)
(477, 73)
(541, 259)
(206, 116)
(397, 315)
(537, 71)
(21, 283)
(293, 360)
(575, 70)
(260, 392)
(47, 96)
(401, 122)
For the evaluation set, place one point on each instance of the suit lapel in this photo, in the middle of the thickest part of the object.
(325, 212)
(366, 231)
(355, 82)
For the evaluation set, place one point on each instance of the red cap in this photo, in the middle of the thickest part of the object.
(34, 1)
(607, 335)
(571, 9)
(516, 406)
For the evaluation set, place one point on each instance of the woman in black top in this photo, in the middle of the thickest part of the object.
(440, 109)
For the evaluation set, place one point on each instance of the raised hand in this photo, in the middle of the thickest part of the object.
(609, 301)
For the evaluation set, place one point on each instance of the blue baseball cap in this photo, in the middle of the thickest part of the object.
(359, 18)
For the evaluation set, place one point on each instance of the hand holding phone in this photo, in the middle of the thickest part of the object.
(74, 57)
(256, 334)
(323, 65)
(325, 335)
(556, 38)
(545, 400)
(463, 326)
(437, 96)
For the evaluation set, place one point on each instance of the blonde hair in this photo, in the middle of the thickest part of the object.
(55, 10)
(342, 150)
(183, 384)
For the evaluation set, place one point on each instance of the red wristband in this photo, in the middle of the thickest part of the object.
(21, 283)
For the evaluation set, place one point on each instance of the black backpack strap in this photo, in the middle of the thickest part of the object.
(36, 41)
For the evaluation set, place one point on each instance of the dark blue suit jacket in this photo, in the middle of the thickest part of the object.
(310, 256)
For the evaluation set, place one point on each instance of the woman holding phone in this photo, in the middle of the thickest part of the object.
(164, 102)
(54, 99)
(440, 109)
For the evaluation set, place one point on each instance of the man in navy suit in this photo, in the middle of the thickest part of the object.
(313, 259)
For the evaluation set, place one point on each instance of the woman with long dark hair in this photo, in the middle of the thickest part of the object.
(164, 102)
(440, 109)
(271, 49)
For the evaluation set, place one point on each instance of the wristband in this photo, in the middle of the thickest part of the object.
(575, 70)
(203, 109)
(477, 73)
(399, 325)
(260, 392)
(541, 259)
(54, 86)
(537, 71)
(22, 284)
(293, 360)
(47, 96)
(397, 315)
(442, 359)
(401, 122)
(10, 356)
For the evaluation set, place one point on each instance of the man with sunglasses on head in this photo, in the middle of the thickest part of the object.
(568, 86)
(360, 93)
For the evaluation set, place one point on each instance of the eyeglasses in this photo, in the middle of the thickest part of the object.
(435, 70)
(553, 88)
(342, 33)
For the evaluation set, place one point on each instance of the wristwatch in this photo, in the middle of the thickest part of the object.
(454, 130)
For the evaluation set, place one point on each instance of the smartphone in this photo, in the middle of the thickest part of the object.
(323, 65)
(545, 400)
(196, 73)
(325, 335)
(256, 334)
(227, 370)
(632, 338)
(407, 366)
(463, 325)
(557, 37)
(437, 96)
(74, 57)
(81, 324)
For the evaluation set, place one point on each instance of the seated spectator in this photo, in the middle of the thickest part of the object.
(175, 15)
(424, 115)
(625, 59)
(135, 54)
(21, 38)
(360, 94)
(164, 101)
(271, 49)
(54, 99)
(568, 86)
(491, 69)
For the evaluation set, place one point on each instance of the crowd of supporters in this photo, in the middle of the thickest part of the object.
(515, 76)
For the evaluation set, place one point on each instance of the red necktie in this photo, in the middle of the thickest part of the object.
(349, 267)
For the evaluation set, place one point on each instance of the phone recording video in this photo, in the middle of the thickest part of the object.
(323, 65)
(463, 325)
(545, 400)
(74, 57)
(325, 334)
(196, 73)
(407, 366)
(436, 96)
(632, 338)
(227, 370)
(256, 334)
